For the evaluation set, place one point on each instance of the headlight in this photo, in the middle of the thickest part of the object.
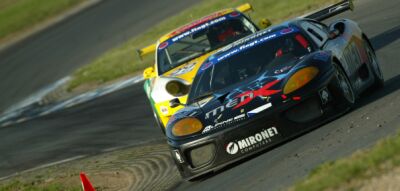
(187, 126)
(299, 79)
(176, 88)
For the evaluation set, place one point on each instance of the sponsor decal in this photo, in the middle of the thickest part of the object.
(258, 109)
(198, 22)
(286, 30)
(183, 70)
(245, 98)
(206, 65)
(164, 110)
(232, 148)
(234, 14)
(198, 28)
(282, 70)
(224, 123)
(163, 45)
(250, 42)
(262, 92)
(252, 142)
(245, 47)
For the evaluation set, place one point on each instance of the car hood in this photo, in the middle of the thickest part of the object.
(244, 100)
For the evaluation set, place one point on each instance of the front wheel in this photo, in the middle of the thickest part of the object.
(342, 89)
(374, 65)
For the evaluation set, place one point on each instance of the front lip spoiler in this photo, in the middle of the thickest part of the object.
(202, 170)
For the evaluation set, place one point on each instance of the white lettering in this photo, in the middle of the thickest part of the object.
(257, 140)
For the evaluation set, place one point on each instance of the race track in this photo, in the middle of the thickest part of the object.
(58, 51)
(124, 118)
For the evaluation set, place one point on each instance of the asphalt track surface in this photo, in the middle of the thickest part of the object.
(124, 118)
(58, 51)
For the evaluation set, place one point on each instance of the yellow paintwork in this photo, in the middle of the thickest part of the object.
(188, 76)
(147, 50)
(244, 8)
(149, 73)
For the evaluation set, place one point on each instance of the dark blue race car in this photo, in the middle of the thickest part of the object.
(269, 87)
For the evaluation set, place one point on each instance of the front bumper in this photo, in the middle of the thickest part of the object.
(292, 117)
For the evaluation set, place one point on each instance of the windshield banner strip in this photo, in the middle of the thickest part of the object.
(242, 47)
(198, 28)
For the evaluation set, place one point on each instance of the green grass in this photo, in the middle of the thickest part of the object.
(36, 186)
(362, 165)
(122, 61)
(20, 15)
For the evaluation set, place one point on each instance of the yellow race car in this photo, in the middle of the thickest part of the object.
(179, 54)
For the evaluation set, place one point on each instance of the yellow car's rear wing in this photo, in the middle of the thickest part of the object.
(146, 50)
(244, 8)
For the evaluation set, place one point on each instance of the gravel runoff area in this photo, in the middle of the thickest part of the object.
(145, 167)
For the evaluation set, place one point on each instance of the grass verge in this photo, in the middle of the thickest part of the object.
(122, 60)
(359, 167)
(20, 15)
(35, 186)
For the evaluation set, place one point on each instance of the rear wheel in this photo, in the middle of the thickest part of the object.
(374, 65)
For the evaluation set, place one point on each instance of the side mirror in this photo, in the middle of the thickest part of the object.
(334, 33)
(174, 103)
(264, 23)
(148, 73)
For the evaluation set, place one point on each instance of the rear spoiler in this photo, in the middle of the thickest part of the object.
(152, 48)
(146, 50)
(331, 11)
(244, 8)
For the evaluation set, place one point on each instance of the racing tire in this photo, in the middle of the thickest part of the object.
(342, 89)
(374, 64)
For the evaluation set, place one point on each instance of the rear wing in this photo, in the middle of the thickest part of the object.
(244, 8)
(146, 50)
(152, 48)
(331, 11)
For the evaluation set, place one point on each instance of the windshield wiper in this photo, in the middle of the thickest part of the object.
(205, 95)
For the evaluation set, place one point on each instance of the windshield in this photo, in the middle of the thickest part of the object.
(248, 63)
(202, 39)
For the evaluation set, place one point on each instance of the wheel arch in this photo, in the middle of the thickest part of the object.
(365, 37)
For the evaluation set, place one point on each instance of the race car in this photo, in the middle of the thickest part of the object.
(179, 54)
(269, 87)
